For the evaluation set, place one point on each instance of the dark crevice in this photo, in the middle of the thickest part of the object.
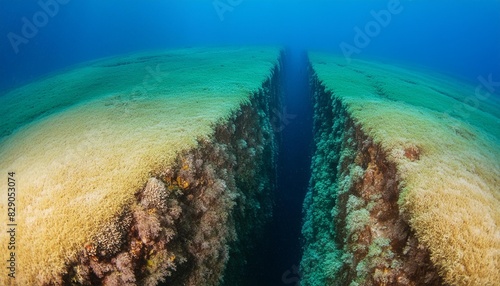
(353, 229)
(278, 258)
(261, 241)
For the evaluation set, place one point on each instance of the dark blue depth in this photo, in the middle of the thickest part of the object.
(278, 260)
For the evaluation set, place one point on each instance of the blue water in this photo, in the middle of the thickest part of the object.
(456, 37)
(283, 251)
(460, 38)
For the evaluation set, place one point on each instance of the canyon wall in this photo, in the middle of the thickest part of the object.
(163, 172)
(405, 176)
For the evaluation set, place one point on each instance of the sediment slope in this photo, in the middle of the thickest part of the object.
(405, 186)
(135, 168)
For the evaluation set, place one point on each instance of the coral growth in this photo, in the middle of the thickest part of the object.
(230, 179)
(354, 234)
(86, 140)
(429, 172)
(133, 247)
(192, 217)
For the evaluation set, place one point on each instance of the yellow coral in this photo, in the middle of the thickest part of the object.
(82, 164)
(182, 183)
(449, 165)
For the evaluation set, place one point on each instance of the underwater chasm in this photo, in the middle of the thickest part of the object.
(175, 182)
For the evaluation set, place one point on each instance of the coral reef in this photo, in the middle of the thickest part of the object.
(399, 179)
(134, 246)
(191, 218)
(141, 167)
(353, 232)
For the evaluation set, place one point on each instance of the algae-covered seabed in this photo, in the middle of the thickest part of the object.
(445, 140)
(82, 142)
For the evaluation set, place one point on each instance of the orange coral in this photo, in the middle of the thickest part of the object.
(182, 183)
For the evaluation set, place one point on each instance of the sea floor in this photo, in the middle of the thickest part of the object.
(164, 166)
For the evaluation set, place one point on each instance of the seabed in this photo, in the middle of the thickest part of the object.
(160, 167)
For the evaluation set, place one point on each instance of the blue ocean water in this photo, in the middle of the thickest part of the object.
(457, 37)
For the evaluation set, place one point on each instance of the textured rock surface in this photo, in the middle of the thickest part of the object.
(193, 217)
(353, 228)
(140, 167)
(404, 189)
